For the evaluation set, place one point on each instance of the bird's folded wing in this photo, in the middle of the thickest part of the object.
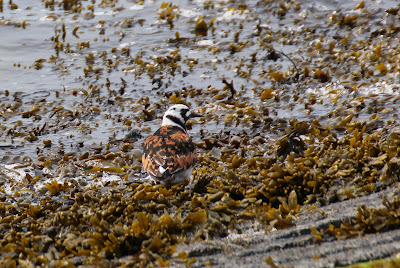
(173, 154)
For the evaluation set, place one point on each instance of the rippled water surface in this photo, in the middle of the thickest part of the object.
(132, 41)
(79, 78)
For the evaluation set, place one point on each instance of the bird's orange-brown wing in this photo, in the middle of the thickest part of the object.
(172, 149)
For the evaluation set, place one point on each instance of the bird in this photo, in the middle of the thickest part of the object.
(169, 154)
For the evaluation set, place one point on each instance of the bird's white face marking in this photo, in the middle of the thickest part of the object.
(180, 113)
(161, 169)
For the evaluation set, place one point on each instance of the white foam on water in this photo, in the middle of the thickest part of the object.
(233, 14)
(137, 7)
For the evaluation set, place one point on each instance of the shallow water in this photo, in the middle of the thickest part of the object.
(78, 109)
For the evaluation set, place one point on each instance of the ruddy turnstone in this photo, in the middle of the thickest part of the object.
(169, 154)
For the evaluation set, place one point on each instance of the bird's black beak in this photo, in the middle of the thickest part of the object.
(193, 114)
